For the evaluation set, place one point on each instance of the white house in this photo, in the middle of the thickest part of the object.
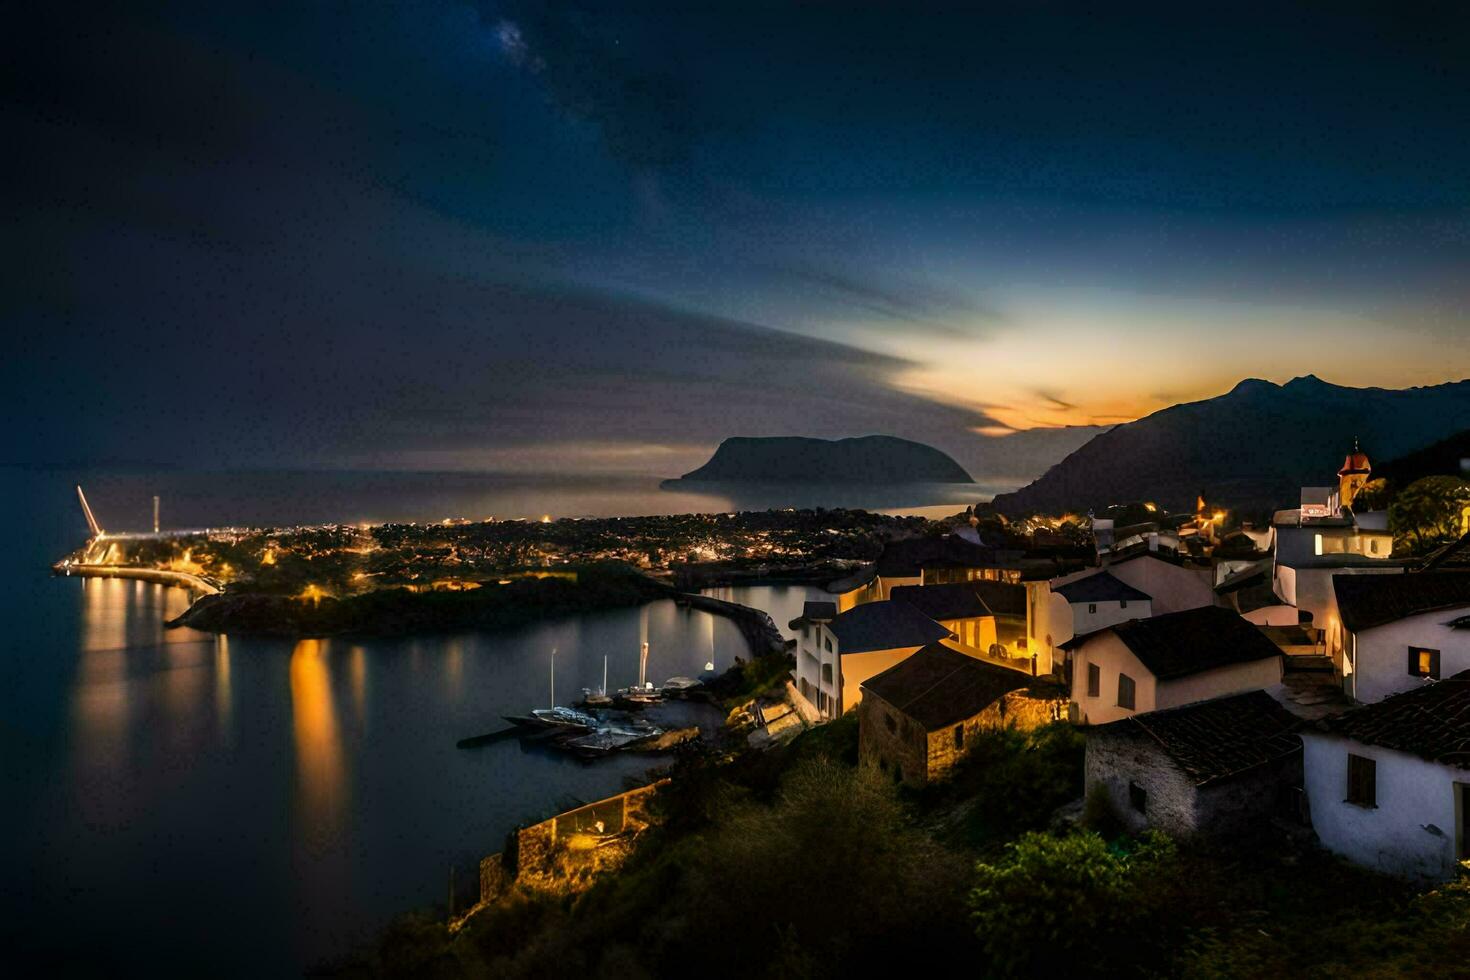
(1167, 661)
(1400, 631)
(1388, 784)
(836, 652)
(1066, 606)
(1306, 583)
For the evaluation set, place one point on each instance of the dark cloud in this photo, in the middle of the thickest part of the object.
(910, 303)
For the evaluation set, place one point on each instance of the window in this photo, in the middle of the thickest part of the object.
(1423, 663)
(892, 725)
(1122, 603)
(827, 673)
(1125, 691)
(1138, 797)
(829, 644)
(1092, 607)
(959, 736)
(1362, 781)
(1317, 543)
(1373, 546)
(1094, 681)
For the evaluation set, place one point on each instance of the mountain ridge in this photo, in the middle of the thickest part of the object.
(1252, 447)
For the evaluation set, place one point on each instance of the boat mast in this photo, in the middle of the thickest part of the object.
(553, 677)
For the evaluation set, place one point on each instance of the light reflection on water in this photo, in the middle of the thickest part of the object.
(306, 792)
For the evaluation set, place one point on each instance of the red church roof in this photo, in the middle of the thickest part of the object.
(1355, 462)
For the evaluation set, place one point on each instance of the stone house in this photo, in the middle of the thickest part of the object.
(1400, 631)
(917, 719)
(1389, 783)
(1220, 766)
(1166, 662)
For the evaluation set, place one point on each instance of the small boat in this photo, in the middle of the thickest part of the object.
(557, 717)
(608, 740)
(632, 698)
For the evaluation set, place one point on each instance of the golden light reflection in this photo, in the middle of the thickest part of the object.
(223, 702)
(357, 679)
(320, 771)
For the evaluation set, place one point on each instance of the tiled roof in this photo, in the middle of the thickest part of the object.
(1366, 601)
(1189, 642)
(1214, 740)
(1102, 587)
(908, 557)
(1453, 556)
(957, 600)
(1431, 722)
(939, 686)
(885, 625)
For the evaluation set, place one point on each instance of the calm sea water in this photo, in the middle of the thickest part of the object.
(193, 804)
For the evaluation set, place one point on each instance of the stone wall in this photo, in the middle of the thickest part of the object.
(891, 740)
(1119, 757)
(897, 744)
(564, 853)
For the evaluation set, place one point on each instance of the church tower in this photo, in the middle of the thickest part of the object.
(1354, 473)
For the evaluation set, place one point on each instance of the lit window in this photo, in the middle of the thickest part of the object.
(1423, 663)
(1317, 540)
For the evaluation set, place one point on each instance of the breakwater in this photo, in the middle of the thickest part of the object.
(759, 631)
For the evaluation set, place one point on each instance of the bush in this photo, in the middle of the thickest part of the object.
(1064, 905)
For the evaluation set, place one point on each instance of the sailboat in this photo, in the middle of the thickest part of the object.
(555, 716)
(600, 698)
(644, 694)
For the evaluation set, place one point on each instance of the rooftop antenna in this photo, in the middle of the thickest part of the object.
(86, 509)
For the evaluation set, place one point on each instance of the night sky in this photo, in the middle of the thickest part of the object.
(605, 236)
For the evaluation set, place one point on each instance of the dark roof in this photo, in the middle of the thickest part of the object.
(884, 626)
(1342, 560)
(1189, 642)
(1102, 587)
(812, 612)
(856, 580)
(1252, 574)
(1003, 598)
(1288, 636)
(1432, 722)
(908, 557)
(1214, 740)
(1365, 601)
(1455, 555)
(957, 600)
(938, 686)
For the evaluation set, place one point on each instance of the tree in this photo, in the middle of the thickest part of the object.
(1429, 512)
(1062, 905)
